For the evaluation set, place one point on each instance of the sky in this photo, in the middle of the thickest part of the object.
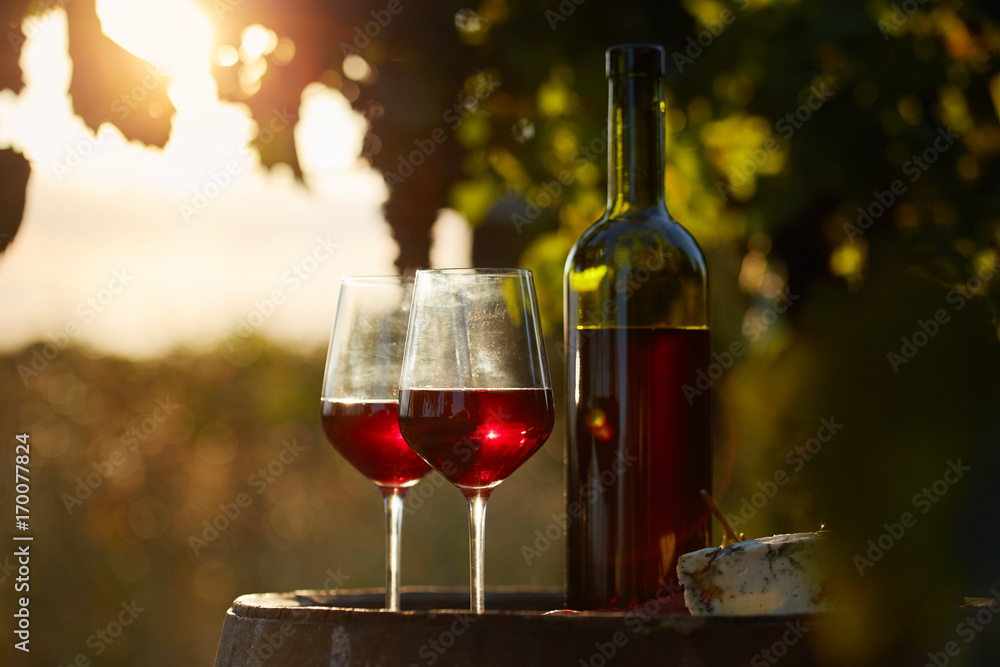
(135, 251)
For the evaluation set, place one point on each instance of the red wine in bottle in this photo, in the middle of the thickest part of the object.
(366, 433)
(476, 437)
(638, 448)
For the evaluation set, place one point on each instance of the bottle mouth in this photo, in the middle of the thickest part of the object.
(635, 60)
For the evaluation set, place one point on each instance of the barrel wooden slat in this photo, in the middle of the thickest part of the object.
(307, 628)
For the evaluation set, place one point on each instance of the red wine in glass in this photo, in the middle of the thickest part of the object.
(366, 433)
(475, 399)
(476, 437)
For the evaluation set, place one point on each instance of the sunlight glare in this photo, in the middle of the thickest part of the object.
(251, 74)
(227, 56)
(172, 34)
(204, 229)
(356, 68)
(330, 133)
(42, 63)
(256, 42)
(284, 51)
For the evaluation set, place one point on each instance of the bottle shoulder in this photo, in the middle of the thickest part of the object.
(604, 241)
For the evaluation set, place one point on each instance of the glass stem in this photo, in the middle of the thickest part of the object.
(393, 532)
(476, 499)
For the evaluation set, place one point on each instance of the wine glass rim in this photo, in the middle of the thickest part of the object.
(376, 280)
(470, 271)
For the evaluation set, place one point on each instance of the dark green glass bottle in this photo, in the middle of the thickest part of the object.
(638, 450)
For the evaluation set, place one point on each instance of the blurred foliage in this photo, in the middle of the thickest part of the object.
(790, 122)
(129, 94)
(178, 440)
(13, 191)
(13, 167)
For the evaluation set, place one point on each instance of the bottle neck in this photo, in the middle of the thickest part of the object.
(636, 143)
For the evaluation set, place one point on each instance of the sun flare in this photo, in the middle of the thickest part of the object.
(187, 219)
(171, 34)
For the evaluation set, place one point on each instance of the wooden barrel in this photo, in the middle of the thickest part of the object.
(310, 628)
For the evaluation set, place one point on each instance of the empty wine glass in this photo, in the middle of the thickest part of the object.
(360, 398)
(475, 399)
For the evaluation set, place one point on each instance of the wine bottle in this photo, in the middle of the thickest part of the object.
(638, 449)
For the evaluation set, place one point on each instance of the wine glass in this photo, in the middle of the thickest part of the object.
(475, 399)
(360, 398)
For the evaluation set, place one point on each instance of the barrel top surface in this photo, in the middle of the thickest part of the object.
(533, 605)
(520, 626)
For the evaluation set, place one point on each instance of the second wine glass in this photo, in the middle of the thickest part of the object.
(475, 399)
